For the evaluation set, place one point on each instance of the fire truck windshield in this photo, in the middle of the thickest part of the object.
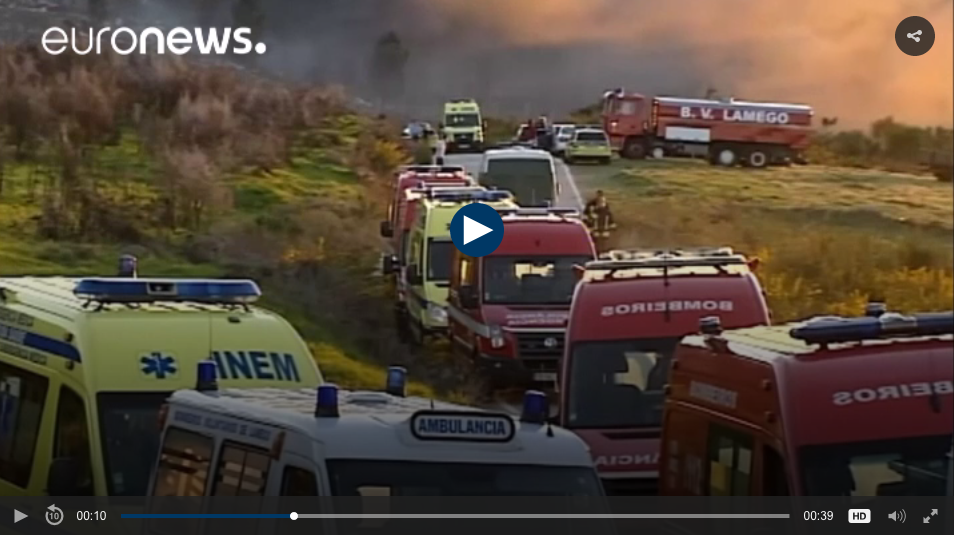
(900, 467)
(530, 281)
(462, 120)
(439, 256)
(618, 384)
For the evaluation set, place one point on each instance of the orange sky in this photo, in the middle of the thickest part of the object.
(838, 55)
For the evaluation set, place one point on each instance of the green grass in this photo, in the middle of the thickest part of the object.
(830, 238)
(126, 172)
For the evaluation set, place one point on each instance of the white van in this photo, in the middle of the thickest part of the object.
(530, 174)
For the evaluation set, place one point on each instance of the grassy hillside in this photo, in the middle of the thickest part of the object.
(207, 172)
(829, 238)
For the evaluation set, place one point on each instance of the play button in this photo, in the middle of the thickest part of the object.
(476, 229)
(18, 516)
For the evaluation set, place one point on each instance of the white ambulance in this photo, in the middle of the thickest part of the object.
(326, 442)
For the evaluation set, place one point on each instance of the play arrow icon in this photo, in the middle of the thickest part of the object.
(474, 230)
(18, 516)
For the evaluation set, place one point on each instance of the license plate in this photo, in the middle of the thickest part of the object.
(545, 376)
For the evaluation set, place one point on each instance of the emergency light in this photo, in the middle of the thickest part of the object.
(536, 410)
(206, 376)
(449, 192)
(397, 381)
(875, 310)
(830, 330)
(124, 290)
(326, 402)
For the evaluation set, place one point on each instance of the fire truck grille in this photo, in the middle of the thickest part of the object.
(631, 486)
(540, 350)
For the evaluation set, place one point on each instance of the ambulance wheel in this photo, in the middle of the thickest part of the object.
(568, 160)
(757, 159)
(606, 161)
(658, 153)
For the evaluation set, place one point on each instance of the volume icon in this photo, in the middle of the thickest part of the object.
(898, 516)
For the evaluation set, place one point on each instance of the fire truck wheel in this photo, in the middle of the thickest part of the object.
(726, 157)
(633, 149)
(658, 153)
(758, 159)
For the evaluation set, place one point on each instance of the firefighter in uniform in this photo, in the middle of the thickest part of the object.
(599, 220)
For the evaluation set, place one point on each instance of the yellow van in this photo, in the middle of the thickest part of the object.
(86, 365)
(430, 251)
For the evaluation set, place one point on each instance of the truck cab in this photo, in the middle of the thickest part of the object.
(629, 313)
(464, 127)
(832, 406)
(330, 442)
(530, 174)
(429, 259)
(507, 311)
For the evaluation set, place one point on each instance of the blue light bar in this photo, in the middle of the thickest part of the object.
(840, 330)
(397, 381)
(326, 404)
(474, 196)
(206, 376)
(124, 290)
(536, 410)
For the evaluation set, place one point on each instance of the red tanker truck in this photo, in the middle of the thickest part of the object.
(727, 132)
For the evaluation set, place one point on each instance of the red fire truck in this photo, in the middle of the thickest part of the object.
(508, 310)
(629, 314)
(828, 407)
(414, 176)
(727, 132)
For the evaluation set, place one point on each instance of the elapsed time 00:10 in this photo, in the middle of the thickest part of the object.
(90, 515)
(818, 515)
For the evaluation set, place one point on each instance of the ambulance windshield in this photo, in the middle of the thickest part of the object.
(411, 478)
(462, 120)
(916, 466)
(510, 280)
(440, 253)
(618, 384)
(129, 425)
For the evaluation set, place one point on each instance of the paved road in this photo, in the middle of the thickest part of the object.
(569, 195)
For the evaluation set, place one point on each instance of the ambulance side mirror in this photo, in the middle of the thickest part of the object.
(388, 264)
(468, 297)
(63, 478)
(412, 274)
(387, 231)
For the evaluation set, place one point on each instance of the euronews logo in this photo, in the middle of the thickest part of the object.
(179, 41)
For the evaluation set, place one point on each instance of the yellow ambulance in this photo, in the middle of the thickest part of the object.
(86, 365)
(430, 251)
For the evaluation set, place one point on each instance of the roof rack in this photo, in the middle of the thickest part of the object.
(618, 260)
(132, 291)
(538, 212)
(433, 169)
(832, 330)
(441, 192)
(468, 195)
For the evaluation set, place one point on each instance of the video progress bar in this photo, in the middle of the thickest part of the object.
(471, 516)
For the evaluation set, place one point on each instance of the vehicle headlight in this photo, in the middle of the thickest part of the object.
(437, 313)
(496, 336)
